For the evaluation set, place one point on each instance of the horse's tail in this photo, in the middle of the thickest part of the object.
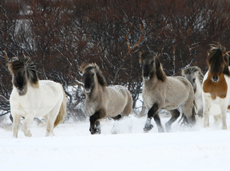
(62, 112)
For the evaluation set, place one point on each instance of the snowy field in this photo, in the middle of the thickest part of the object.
(130, 149)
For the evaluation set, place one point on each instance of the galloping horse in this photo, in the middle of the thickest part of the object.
(32, 97)
(101, 100)
(195, 76)
(216, 83)
(163, 92)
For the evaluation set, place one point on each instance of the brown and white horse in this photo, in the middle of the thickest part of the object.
(216, 83)
(102, 100)
(163, 92)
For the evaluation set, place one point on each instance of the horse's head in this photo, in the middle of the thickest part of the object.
(218, 61)
(151, 65)
(193, 74)
(92, 76)
(22, 71)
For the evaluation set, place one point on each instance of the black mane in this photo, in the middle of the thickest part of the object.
(100, 77)
(19, 64)
(216, 59)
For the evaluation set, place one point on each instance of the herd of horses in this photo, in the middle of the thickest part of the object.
(191, 95)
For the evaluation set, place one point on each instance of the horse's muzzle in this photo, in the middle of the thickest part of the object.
(146, 78)
(21, 92)
(215, 78)
(87, 90)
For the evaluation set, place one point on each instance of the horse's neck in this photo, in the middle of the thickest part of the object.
(96, 92)
(151, 83)
(198, 93)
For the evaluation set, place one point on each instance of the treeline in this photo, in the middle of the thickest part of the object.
(61, 34)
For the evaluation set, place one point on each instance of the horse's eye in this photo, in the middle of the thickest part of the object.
(151, 62)
(194, 80)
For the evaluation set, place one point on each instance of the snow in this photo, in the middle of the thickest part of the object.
(73, 148)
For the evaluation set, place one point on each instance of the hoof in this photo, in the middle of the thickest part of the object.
(95, 131)
(224, 127)
(160, 130)
(28, 134)
(148, 127)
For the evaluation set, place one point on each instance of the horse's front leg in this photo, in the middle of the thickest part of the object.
(27, 121)
(207, 106)
(94, 122)
(16, 122)
(223, 115)
(153, 113)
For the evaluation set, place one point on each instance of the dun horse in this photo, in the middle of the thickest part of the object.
(101, 100)
(32, 97)
(163, 92)
(216, 83)
(195, 76)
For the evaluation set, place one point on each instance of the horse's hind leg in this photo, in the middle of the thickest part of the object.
(94, 123)
(26, 122)
(50, 124)
(175, 114)
(16, 122)
(118, 117)
(153, 113)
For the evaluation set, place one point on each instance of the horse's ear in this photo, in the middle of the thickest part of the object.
(82, 67)
(159, 71)
(9, 64)
(140, 57)
(27, 61)
(226, 58)
(182, 73)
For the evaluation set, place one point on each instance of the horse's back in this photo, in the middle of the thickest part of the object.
(179, 86)
(39, 101)
(119, 100)
(51, 87)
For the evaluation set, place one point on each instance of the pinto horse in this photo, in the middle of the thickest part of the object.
(102, 100)
(32, 97)
(163, 92)
(216, 83)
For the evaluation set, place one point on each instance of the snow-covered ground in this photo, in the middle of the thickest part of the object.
(73, 148)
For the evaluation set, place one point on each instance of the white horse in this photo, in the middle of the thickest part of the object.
(216, 84)
(32, 97)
